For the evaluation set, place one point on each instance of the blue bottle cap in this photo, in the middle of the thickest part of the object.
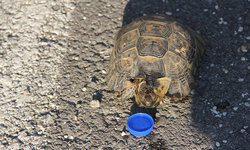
(140, 124)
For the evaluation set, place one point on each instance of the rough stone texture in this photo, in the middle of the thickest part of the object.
(54, 58)
(33, 42)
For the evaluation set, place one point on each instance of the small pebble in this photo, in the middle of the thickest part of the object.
(51, 96)
(104, 72)
(244, 94)
(240, 29)
(248, 67)
(231, 132)
(177, 9)
(84, 89)
(225, 23)
(242, 130)
(105, 57)
(245, 127)
(247, 104)
(224, 113)
(244, 50)
(205, 10)
(95, 103)
(216, 7)
(218, 116)
(71, 138)
(211, 65)
(39, 132)
(215, 111)
(240, 79)
(225, 71)
(213, 13)
(144, 14)
(168, 13)
(220, 125)
(215, 107)
(243, 58)
(232, 64)
(123, 133)
(217, 144)
(55, 8)
(84, 18)
(40, 83)
(235, 108)
(224, 141)
(248, 38)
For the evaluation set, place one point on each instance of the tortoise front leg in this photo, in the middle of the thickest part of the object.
(127, 93)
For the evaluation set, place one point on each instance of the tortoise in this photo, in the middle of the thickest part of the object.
(155, 59)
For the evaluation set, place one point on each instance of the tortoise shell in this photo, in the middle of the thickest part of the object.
(154, 57)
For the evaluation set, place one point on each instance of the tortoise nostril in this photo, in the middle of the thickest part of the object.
(147, 92)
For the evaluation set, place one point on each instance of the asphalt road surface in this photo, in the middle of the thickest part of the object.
(54, 58)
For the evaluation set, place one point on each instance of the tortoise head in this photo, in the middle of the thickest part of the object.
(145, 96)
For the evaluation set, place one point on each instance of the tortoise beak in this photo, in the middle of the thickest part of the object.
(148, 100)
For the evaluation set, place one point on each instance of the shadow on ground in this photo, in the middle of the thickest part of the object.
(186, 125)
(221, 68)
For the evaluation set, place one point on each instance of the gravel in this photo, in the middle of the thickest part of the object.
(30, 58)
(54, 58)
